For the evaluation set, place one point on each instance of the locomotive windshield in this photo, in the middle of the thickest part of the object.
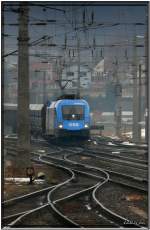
(73, 112)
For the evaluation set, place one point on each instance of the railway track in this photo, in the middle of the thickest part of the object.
(123, 220)
(126, 185)
(24, 204)
(49, 197)
(72, 194)
(32, 200)
(134, 181)
(115, 158)
(118, 142)
(124, 161)
(139, 152)
(14, 202)
(117, 155)
(20, 219)
(52, 202)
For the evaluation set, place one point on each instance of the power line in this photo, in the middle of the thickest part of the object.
(33, 4)
(36, 42)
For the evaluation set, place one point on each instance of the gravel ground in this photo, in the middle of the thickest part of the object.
(13, 170)
(52, 176)
(83, 213)
(117, 198)
(42, 218)
(27, 204)
(126, 202)
(82, 182)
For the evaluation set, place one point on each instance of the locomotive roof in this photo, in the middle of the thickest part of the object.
(54, 104)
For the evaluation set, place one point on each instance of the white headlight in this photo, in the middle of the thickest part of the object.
(86, 126)
(60, 126)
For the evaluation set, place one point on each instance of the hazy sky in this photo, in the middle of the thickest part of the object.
(109, 36)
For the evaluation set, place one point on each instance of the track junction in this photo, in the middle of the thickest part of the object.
(76, 201)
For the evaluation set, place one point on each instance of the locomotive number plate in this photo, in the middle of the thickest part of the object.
(73, 124)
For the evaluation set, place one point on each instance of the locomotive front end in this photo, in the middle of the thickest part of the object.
(73, 118)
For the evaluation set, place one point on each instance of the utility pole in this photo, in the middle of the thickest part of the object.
(118, 109)
(23, 82)
(135, 94)
(59, 74)
(147, 82)
(2, 49)
(44, 86)
(59, 71)
(2, 68)
(78, 80)
(139, 105)
(36, 88)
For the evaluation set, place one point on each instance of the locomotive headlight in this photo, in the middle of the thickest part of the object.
(86, 126)
(60, 126)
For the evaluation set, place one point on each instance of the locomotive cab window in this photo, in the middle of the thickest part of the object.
(73, 112)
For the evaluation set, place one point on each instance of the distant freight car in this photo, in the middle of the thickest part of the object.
(66, 117)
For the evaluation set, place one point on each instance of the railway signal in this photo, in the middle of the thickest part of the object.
(30, 173)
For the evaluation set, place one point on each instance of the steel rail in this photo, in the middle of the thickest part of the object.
(29, 211)
(74, 165)
(6, 202)
(114, 161)
(79, 149)
(28, 195)
(33, 210)
(118, 143)
(16, 199)
(74, 194)
(111, 171)
(52, 203)
(66, 197)
(141, 163)
(111, 154)
(137, 162)
(26, 213)
(110, 214)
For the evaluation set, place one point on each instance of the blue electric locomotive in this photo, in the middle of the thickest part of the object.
(67, 117)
